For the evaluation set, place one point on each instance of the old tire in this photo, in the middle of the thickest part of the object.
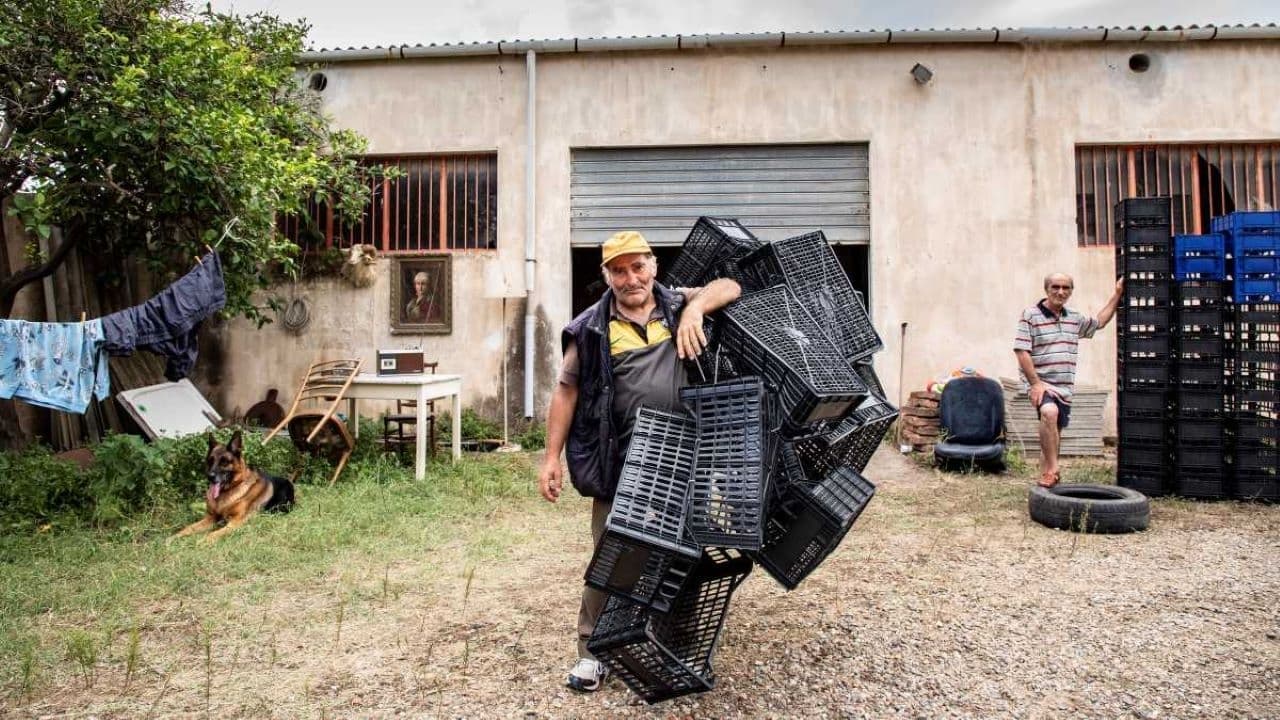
(1090, 508)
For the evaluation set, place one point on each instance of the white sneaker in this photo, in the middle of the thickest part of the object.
(587, 675)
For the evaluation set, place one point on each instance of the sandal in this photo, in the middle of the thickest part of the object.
(1049, 478)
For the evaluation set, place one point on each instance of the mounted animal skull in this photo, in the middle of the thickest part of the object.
(358, 267)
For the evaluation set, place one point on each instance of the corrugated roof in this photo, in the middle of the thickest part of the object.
(697, 41)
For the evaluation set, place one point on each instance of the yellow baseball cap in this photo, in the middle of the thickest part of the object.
(623, 243)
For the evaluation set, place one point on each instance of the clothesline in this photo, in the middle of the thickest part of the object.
(62, 365)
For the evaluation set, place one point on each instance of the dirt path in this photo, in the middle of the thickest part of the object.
(945, 601)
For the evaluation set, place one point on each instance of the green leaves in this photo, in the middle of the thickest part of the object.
(140, 127)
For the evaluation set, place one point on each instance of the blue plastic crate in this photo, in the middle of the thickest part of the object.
(1249, 290)
(1247, 221)
(1199, 245)
(1199, 268)
(1254, 266)
(1254, 245)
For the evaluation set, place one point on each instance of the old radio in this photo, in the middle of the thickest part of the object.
(399, 362)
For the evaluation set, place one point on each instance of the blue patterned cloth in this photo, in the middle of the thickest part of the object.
(54, 365)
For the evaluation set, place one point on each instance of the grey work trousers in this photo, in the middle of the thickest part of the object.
(593, 600)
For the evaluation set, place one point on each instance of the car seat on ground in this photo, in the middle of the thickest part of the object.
(972, 420)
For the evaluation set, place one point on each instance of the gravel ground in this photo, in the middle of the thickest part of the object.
(945, 601)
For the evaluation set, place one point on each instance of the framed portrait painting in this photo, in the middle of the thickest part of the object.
(422, 294)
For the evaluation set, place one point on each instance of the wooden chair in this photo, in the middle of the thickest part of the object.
(394, 425)
(311, 420)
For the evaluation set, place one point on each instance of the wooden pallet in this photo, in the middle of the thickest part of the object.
(1083, 437)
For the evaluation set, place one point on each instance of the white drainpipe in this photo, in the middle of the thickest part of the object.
(530, 223)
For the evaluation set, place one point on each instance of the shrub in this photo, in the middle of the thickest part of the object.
(35, 486)
(534, 437)
(127, 476)
(474, 427)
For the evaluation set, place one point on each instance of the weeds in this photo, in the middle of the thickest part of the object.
(132, 654)
(83, 651)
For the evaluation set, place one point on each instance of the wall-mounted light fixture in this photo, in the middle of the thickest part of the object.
(921, 74)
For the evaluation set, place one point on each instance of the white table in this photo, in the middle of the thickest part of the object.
(422, 387)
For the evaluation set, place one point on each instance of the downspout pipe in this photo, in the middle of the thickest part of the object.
(530, 223)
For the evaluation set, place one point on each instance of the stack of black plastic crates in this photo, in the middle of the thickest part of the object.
(1144, 345)
(1202, 314)
(1217, 420)
(762, 462)
(1253, 356)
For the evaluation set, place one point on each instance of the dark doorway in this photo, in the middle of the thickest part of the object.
(588, 284)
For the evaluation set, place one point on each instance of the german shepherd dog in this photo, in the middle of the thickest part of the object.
(236, 490)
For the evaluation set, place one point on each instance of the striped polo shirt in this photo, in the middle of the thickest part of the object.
(1052, 341)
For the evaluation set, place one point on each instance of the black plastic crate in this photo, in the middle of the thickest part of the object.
(869, 377)
(1258, 314)
(1201, 402)
(646, 551)
(1145, 321)
(1256, 458)
(1256, 430)
(1148, 292)
(1146, 266)
(1203, 459)
(1151, 480)
(1202, 320)
(1203, 293)
(729, 492)
(808, 266)
(1201, 376)
(1201, 432)
(1143, 453)
(1256, 354)
(1192, 347)
(1150, 402)
(712, 250)
(1201, 485)
(633, 567)
(1138, 212)
(1142, 429)
(768, 334)
(812, 517)
(1144, 376)
(1145, 347)
(852, 442)
(665, 656)
(1257, 485)
(652, 495)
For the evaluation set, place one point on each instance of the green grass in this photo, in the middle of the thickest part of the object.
(102, 582)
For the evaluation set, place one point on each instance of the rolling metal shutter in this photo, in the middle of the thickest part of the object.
(777, 191)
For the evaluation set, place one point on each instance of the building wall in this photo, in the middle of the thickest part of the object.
(972, 175)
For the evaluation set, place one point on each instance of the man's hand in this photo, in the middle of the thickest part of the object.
(1037, 393)
(690, 340)
(551, 479)
(1120, 286)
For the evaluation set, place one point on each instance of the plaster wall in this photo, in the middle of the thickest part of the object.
(972, 177)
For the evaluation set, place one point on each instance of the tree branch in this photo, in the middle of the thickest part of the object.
(10, 286)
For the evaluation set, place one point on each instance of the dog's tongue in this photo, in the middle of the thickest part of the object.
(214, 489)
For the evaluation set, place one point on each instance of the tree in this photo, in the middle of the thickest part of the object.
(142, 130)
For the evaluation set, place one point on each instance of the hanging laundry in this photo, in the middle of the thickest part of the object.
(54, 365)
(169, 323)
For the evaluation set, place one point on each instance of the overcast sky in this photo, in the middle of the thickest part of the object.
(357, 23)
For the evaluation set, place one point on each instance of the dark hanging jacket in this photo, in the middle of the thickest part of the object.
(592, 450)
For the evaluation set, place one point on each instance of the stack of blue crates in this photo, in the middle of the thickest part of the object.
(1253, 241)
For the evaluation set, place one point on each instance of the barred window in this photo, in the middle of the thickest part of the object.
(1202, 180)
(439, 202)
